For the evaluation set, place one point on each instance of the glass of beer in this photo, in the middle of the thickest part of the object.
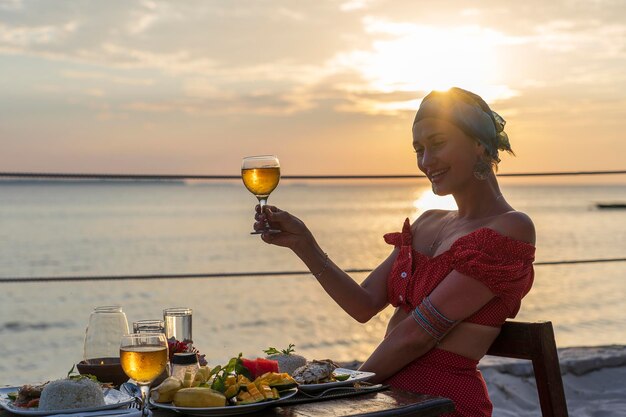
(261, 175)
(143, 357)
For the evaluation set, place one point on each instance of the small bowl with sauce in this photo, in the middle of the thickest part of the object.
(104, 369)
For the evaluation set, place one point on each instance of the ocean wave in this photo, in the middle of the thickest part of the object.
(17, 326)
(324, 344)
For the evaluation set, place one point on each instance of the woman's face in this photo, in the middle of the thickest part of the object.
(445, 154)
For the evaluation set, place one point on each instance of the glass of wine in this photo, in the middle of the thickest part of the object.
(143, 357)
(261, 175)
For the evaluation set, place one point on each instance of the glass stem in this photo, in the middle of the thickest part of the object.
(263, 203)
(145, 395)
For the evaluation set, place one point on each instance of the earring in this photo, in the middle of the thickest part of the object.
(482, 169)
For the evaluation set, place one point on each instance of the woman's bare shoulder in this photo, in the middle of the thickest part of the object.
(516, 225)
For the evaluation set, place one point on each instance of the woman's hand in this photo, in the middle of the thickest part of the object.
(293, 232)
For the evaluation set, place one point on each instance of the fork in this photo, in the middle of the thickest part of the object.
(352, 389)
(101, 413)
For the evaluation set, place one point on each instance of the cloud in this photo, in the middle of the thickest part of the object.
(291, 14)
(203, 98)
(11, 4)
(260, 105)
(93, 75)
(352, 5)
(144, 17)
(595, 37)
(24, 36)
(269, 58)
(94, 92)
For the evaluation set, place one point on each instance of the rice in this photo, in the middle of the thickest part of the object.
(67, 393)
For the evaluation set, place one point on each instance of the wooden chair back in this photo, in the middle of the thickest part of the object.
(535, 342)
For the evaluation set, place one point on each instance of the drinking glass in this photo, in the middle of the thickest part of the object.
(143, 357)
(178, 324)
(261, 175)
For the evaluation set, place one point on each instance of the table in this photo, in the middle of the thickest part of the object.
(386, 403)
(390, 402)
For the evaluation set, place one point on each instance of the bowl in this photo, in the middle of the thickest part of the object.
(104, 369)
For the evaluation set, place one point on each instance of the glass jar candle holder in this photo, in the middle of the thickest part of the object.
(107, 324)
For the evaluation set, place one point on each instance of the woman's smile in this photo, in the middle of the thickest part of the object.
(438, 175)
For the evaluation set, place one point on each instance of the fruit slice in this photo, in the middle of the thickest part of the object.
(282, 381)
(259, 366)
(199, 397)
(250, 364)
(164, 393)
(250, 395)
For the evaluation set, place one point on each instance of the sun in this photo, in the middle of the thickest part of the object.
(420, 58)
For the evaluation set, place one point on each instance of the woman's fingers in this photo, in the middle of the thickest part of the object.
(278, 216)
(267, 237)
(278, 239)
(260, 225)
(271, 209)
(292, 230)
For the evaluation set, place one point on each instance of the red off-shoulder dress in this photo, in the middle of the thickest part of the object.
(503, 264)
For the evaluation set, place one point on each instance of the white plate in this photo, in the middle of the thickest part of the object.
(228, 410)
(355, 376)
(112, 399)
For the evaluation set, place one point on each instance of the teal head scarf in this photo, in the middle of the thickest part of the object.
(470, 113)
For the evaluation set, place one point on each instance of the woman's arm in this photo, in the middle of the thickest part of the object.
(405, 343)
(363, 301)
(456, 297)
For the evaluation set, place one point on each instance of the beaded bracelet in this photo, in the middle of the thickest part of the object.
(319, 274)
(431, 320)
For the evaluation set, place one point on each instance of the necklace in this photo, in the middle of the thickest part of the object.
(436, 242)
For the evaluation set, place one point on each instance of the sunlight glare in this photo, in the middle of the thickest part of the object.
(429, 200)
(422, 58)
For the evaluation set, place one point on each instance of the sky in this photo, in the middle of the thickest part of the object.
(330, 86)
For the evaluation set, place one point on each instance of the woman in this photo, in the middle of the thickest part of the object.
(453, 276)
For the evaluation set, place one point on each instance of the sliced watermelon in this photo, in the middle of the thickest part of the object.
(250, 364)
(266, 365)
(259, 366)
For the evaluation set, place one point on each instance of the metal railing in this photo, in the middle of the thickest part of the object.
(241, 274)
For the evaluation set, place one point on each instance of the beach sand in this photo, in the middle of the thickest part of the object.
(594, 379)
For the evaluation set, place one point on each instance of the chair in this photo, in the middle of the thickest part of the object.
(535, 342)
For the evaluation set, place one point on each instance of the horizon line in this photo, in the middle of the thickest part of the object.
(286, 177)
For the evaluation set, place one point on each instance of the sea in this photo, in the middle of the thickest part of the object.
(105, 228)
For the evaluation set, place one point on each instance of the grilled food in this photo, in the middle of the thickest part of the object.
(315, 372)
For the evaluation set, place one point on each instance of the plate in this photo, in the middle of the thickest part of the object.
(231, 410)
(112, 399)
(354, 376)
